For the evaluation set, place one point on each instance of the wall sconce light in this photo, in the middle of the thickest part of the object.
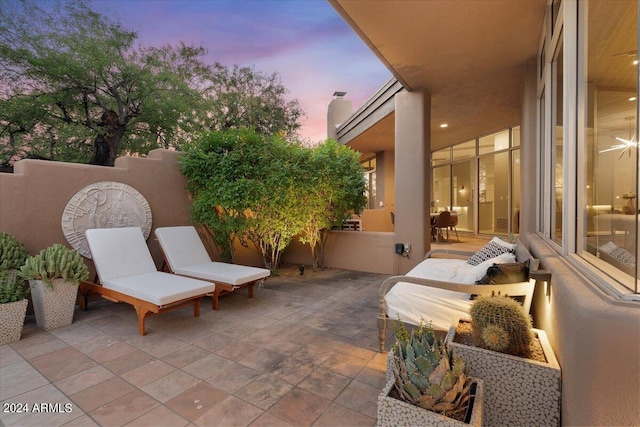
(542, 276)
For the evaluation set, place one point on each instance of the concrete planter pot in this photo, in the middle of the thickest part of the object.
(393, 412)
(53, 307)
(11, 320)
(518, 391)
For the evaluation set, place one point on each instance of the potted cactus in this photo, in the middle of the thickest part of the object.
(519, 389)
(54, 275)
(12, 253)
(13, 306)
(429, 385)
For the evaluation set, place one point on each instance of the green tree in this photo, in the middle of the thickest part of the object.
(335, 189)
(74, 76)
(78, 86)
(242, 97)
(244, 186)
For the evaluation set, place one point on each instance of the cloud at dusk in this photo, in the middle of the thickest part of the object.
(305, 41)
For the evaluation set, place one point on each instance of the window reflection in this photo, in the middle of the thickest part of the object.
(611, 139)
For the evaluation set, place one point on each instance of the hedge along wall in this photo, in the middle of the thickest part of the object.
(33, 198)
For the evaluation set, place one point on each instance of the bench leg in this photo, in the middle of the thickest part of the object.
(382, 333)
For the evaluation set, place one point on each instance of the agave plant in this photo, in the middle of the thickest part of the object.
(427, 375)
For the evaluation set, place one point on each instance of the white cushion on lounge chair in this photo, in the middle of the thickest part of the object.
(413, 303)
(124, 264)
(120, 252)
(159, 288)
(232, 274)
(187, 256)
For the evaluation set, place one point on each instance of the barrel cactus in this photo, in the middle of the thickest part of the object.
(427, 375)
(55, 262)
(500, 324)
(12, 253)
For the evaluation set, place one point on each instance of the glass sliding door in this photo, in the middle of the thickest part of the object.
(493, 193)
(441, 188)
(463, 178)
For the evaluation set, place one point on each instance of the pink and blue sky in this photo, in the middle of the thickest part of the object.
(305, 41)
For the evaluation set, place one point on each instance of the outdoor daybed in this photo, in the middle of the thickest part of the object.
(127, 273)
(440, 290)
(185, 255)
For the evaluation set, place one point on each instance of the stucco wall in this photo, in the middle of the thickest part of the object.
(351, 250)
(596, 338)
(33, 199)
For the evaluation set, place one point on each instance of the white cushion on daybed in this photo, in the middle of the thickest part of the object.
(413, 303)
(187, 256)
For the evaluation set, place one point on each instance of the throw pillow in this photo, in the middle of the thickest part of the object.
(624, 256)
(476, 272)
(500, 274)
(492, 249)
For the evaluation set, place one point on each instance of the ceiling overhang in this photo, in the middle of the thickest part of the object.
(469, 55)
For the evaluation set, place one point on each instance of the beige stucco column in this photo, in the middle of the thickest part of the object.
(413, 179)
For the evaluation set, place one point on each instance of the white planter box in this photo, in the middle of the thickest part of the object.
(518, 391)
(393, 412)
(53, 307)
(11, 321)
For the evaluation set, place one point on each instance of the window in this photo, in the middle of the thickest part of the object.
(494, 207)
(441, 157)
(441, 188)
(557, 148)
(609, 140)
(370, 182)
(588, 154)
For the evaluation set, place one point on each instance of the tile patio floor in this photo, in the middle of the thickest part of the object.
(302, 352)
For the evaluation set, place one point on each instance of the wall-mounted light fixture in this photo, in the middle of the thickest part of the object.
(543, 276)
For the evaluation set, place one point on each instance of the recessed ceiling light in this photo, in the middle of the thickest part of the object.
(633, 98)
(635, 62)
(444, 125)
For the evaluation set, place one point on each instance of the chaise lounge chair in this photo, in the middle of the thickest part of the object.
(185, 255)
(127, 273)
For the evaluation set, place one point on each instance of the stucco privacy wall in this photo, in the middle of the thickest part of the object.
(33, 198)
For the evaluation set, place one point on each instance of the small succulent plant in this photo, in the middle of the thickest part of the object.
(427, 375)
(55, 262)
(499, 324)
(12, 287)
(12, 253)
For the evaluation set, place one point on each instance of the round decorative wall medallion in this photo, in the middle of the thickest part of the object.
(106, 204)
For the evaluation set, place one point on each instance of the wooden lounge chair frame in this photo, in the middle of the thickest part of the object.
(222, 287)
(144, 309)
(130, 266)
